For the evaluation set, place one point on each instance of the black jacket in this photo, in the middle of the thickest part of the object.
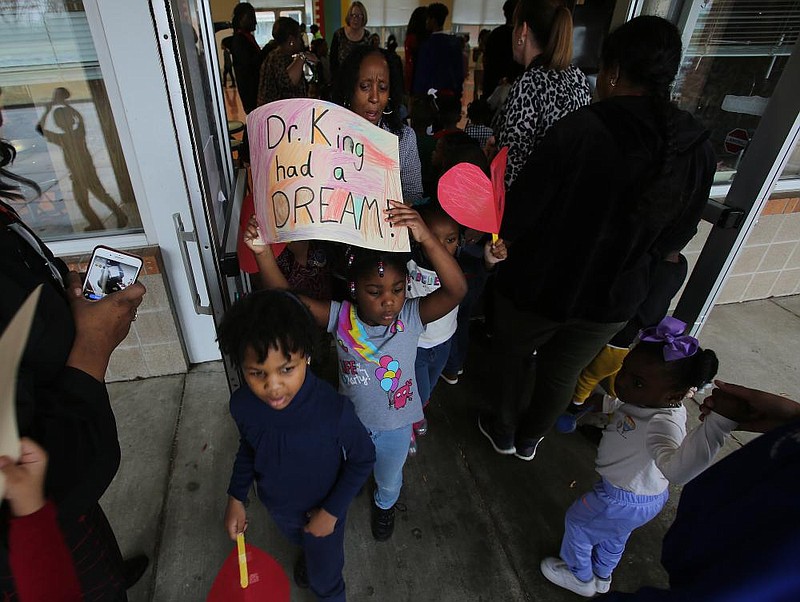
(64, 409)
(579, 248)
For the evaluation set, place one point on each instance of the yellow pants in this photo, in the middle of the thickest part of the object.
(604, 365)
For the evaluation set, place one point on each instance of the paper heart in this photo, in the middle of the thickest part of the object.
(268, 581)
(470, 198)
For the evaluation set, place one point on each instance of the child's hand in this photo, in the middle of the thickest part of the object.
(320, 523)
(754, 410)
(235, 518)
(399, 215)
(25, 478)
(494, 252)
(490, 148)
(252, 237)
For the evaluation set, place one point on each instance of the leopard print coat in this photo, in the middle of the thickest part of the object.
(535, 102)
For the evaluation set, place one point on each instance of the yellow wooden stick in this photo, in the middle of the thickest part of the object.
(243, 579)
(494, 238)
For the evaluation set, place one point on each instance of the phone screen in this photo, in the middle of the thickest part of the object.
(110, 271)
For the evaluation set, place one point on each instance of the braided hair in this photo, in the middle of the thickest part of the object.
(647, 51)
(364, 262)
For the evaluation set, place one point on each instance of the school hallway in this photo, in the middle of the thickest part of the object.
(471, 525)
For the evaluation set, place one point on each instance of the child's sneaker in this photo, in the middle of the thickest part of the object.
(421, 428)
(556, 571)
(382, 523)
(525, 449)
(502, 444)
(602, 585)
(451, 379)
(412, 446)
(301, 571)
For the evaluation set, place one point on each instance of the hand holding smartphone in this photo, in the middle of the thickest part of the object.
(110, 271)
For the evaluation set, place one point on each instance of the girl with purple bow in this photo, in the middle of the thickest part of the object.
(643, 449)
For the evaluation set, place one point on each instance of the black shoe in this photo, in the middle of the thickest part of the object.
(382, 523)
(133, 569)
(301, 571)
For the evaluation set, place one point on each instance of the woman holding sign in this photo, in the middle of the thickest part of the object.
(613, 189)
(364, 86)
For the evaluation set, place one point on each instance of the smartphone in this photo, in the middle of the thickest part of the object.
(110, 271)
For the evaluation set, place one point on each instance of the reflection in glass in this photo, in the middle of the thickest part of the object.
(734, 54)
(56, 113)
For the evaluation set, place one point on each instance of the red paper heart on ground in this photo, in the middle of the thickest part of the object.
(267, 580)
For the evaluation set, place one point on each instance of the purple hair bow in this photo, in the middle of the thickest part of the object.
(677, 346)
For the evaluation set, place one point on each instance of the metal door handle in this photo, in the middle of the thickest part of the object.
(183, 238)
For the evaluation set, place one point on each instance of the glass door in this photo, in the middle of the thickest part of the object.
(216, 190)
(740, 77)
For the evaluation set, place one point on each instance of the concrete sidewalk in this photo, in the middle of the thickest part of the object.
(471, 525)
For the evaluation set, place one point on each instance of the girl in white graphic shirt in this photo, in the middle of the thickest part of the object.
(643, 449)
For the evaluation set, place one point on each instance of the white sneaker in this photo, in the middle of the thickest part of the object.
(556, 571)
(602, 585)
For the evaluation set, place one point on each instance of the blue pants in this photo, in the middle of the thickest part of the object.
(598, 524)
(476, 276)
(428, 368)
(324, 556)
(391, 451)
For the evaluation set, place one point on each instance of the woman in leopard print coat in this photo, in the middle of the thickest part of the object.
(550, 87)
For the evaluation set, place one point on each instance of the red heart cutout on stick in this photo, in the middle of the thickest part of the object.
(470, 198)
(267, 582)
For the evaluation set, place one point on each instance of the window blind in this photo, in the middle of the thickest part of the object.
(41, 48)
(746, 28)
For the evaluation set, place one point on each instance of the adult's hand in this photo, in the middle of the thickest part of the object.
(754, 410)
(100, 325)
(25, 478)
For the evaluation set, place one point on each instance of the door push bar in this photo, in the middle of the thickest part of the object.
(183, 238)
(723, 216)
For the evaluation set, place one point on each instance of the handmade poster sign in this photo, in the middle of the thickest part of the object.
(470, 198)
(12, 344)
(322, 172)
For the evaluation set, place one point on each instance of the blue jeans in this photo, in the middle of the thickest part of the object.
(428, 368)
(324, 556)
(476, 276)
(391, 451)
(598, 525)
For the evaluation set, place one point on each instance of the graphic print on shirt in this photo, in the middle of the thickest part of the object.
(416, 275)
(625, 425)
(351, 334)
(389, 373)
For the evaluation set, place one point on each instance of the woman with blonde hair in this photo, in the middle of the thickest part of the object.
(550, 87)
(353, 34)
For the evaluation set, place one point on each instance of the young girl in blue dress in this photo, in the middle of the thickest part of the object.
(376, 334)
